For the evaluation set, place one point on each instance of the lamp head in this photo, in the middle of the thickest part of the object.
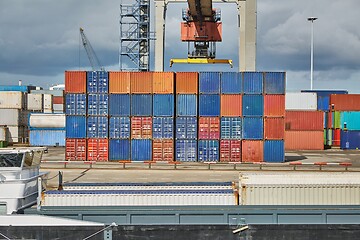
(312, 19)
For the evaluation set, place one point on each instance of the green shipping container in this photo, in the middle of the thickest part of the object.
(336, 119)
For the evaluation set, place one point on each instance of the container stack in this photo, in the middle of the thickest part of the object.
(76, 111)
(186, 121)
(53, 100)
(304, 124)
(345, 111)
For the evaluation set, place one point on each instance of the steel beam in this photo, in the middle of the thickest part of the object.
(160, 15)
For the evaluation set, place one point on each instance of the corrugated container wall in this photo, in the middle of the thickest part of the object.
(253, 128)
(252, 151)
(97, 149)
(253, 82)
(75, 104)
(350, 140)
(75, 81)
(163, 127)
(119, 127)
(252, 105)
(163, 82)
(231, 128)
(209, 82)
(186, 82)
(163, 150)
(141, 127)
(350, 120)
(274, 128)
(208, 150)
(98, 104)
(119, 105)
(209, 128)
(119, 82)
(274, 82)
(186, 127)
(75, 127)
(13, 117)
(323, 97)
(119, 150)
(186, 105)
(274, 105)
(336, 119)
(304, 120)
(141, 104)
(209, 105)
(75, 149)
(141, 150)
(97, 127)
(163, 105)
(141, 82)
(48, 102)
(304, 140)
(97, 82)
(47, 138)
(336, 137)
(231, 83)
(274, 151)
(16, 88)
(301, 101)
(34, 102)
(230, 150)
(186, 150)
(15, 100)
(231, 105)
(45, 120)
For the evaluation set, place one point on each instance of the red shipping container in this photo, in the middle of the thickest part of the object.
(304, 120)
(231, 105)
(186, 82)
(98, 149)
(345, 102)
(75, 81)
(163, 150)
(274, 105)
(141, 127)
(58, 100)
(336, 137)
(141, 82)
(75, 149)
(252, 151)
(304, 140)
(209, 128)
(230, 150)
(274, 128)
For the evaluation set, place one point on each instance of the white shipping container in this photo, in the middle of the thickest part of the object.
(17, 134)
(48, 101)
(3, 134)
(301, 101)
(34, 102)
(48, 111)
(46, 120)
(58, 108)
(14, 100)
(299, 188)
(14, 117)
(137, 198)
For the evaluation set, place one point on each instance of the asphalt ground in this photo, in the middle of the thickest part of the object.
(54, 161)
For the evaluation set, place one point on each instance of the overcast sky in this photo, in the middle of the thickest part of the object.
(39, 40)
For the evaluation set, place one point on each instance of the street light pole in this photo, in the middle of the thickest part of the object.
(312, 19)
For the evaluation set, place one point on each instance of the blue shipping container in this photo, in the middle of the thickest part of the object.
(16, 88)
(119, 127)
(350, 139)
(253, 82)
(98, 104)
(323, 103)
(141, 150)
(208, 150)
(186, 127)
(163, 105)
(231, 83)
(163, 127)
(231, 128)
(75, 127)
(47, 138)
(253, 128)
(186, 105)
(253, 105)
(209, 105)
(141, 105)
(97, 127)
(274, 151)
(350, 120)
(186, 150)
(274, 82)
(119, 149)
(97, 82)
(119, 105)
(75, 104)
(209, 82)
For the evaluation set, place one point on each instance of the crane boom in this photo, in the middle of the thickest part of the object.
(94, 61)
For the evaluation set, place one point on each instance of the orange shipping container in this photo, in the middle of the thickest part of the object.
(98, 149)
(345, 102)
(141, 82)
(141, 128)
(75, 149)
(304, 140)
(274, 105)
(186, 82)
(58, 100)
(252, 151)
(231, 105)
(163, 82)
(163, 150)
(119, 82)
(208, 31)
(75, 81)
(274, 128)
(304, 120)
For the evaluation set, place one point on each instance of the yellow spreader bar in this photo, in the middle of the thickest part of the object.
(201, 61)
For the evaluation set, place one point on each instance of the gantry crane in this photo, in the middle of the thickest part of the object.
(201, 29)
(94, 61)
